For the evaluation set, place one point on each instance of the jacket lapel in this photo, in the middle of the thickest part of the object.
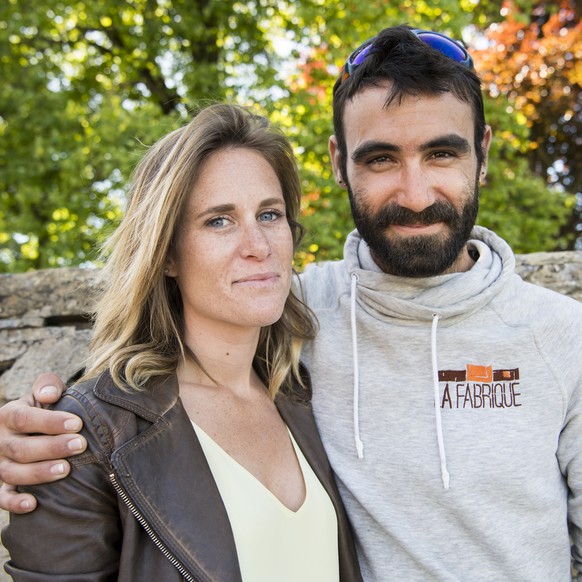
(299, 418)
(164, 472)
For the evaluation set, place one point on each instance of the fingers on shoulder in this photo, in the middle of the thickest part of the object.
(15, 502)
(32, 473)
(48, 388)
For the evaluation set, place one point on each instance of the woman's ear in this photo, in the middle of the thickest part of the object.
(170, 270)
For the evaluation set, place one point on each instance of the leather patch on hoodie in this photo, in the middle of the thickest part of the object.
(480, 387)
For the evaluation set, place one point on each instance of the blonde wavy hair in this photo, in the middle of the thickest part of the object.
(138, 321)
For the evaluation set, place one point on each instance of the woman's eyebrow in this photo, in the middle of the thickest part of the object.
(225, 208)
(220, 209)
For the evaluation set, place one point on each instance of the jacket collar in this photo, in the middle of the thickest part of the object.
(165, 474)
(159, 396)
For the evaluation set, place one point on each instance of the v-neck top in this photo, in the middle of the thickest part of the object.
(272, 541)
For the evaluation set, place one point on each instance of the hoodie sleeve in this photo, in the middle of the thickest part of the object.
(570, 459)
(562, 353)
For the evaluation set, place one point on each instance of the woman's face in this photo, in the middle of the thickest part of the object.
(234, 248)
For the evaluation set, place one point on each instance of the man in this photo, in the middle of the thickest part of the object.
(447, 391)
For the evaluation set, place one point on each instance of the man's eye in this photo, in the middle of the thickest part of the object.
(379, 160)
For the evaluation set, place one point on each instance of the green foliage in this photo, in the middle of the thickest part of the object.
(515, 203)
(86, 86)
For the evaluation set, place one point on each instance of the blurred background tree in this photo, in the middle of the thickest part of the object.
(86, 86)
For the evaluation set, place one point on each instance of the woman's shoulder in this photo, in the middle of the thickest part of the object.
(81, 395)
(105, 424)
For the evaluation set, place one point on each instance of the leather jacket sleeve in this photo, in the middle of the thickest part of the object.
(73, 514)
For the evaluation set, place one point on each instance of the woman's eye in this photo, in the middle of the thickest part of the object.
(270, 215)
(217, 222)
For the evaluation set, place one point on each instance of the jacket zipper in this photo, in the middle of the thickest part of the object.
(142, 521)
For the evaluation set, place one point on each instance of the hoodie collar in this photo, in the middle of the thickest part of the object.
(414, 300)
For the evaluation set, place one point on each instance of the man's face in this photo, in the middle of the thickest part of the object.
(412, 176)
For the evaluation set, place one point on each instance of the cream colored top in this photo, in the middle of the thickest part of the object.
(274, 543)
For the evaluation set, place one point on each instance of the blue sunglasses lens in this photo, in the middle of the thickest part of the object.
(446, 46)
(361, 56)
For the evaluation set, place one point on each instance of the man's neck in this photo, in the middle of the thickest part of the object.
(463, 263)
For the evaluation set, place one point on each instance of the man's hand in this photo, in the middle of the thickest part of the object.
(34, 442)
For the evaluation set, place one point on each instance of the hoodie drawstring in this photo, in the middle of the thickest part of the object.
(437, 407)
(359, 443)
(435, 372)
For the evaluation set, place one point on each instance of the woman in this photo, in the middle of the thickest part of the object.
(204, 462)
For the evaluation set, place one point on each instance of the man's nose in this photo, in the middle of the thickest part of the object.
(415, 188)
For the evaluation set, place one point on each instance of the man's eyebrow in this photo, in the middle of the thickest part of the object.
(372, 147)
(452, 141)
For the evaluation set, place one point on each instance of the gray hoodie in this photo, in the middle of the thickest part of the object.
(451, 411)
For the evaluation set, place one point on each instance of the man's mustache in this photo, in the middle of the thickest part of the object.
(440, 211)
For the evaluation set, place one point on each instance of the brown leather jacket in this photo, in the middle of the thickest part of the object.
(141, 503)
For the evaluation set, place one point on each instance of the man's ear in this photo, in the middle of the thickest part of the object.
(485, 145)
(335, 157)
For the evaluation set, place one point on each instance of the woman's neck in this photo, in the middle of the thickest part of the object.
(225, 357)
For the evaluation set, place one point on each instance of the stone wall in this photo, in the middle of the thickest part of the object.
(44, 326)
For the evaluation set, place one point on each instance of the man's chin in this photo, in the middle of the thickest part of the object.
(414, 256)
(416, 270)
(417, 244)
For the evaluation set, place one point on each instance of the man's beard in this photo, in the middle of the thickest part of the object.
(424, 255)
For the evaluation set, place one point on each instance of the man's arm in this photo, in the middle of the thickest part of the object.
(75, 533)
(34, 442)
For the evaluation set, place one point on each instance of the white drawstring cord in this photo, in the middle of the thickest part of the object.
(437, 405)
(359, 443)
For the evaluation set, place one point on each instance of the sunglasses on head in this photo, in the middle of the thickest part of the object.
(442, 43)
